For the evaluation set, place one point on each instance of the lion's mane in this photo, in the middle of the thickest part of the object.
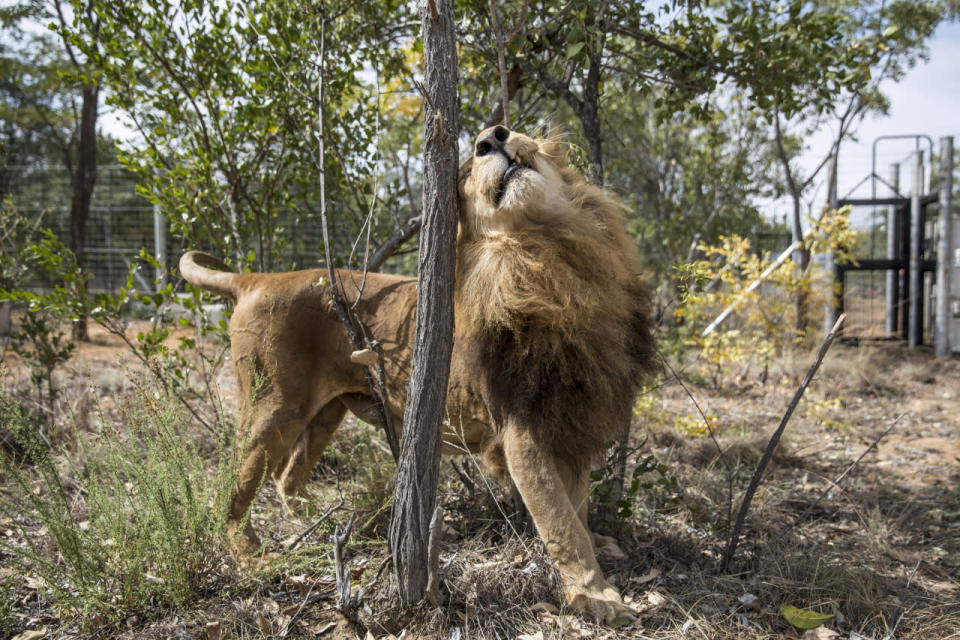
(557, 319)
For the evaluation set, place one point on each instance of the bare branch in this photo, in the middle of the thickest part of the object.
(378, 390)
(498, 43)
(317, 523)
(834, 484)
(464, 478)
(339, 540)
(772, 445)
(394, 242)
(433, 556)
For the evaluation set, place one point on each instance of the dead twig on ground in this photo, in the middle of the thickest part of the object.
(840, 478)
(317, 523)
(897, 614)
(772, 445)
(306, 600)
(376, 578)
(339, 540)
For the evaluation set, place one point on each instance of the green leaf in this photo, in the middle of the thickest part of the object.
(621, 621)
(574, 49)
(803, 618)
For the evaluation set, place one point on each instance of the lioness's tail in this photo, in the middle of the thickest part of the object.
(194, 267)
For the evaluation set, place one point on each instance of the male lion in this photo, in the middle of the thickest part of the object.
(553, 337)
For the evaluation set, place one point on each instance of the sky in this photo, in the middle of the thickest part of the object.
(926, 101)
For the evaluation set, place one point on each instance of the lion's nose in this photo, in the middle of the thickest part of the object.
(492, 140)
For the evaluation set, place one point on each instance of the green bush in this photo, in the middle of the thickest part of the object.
(617, 511)
(7, 599)
(144, 523)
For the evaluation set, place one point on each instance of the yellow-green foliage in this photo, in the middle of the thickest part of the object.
(694, 426)
(826, 410)
(763, 323)
(647, 406)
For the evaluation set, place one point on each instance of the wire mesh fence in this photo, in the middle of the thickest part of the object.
(121, 223)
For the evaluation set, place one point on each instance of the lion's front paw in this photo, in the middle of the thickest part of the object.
(604, 603)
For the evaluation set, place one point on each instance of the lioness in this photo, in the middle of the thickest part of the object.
(552, 339)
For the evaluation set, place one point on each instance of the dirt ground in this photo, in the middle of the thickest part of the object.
(880, 551)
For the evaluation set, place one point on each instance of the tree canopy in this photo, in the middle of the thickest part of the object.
(690, 112)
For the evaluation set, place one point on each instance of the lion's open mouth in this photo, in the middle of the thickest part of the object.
(513, 170)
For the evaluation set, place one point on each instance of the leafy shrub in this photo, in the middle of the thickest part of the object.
(145, 526)
(16, 231)
(39, 338)
(40, 341)
(7, 602)
(43, 344)
(617, 511)
(763, 323)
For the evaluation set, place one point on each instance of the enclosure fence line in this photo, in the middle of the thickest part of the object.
(122, 221)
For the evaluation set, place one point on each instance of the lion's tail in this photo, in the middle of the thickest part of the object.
(194, 266)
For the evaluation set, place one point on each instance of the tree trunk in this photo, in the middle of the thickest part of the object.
(590, 119)
(801, 257)
(84, 179)
(415, 493)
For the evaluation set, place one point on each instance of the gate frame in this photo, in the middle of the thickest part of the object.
(905, 252)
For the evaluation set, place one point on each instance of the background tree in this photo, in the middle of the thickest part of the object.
(686, 179)
(36, 114)
(83, 175)
(797, 66)
(222, 98)
(825, 76)
(59, 96)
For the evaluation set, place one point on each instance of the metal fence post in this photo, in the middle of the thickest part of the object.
(945, 250)
(893, 275)
(160, 246)
(834, 297)
(915, 332)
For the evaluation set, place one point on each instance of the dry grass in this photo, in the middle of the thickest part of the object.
(881, 553)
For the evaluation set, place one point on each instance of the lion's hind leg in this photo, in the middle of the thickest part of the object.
(578, 488)
(545, 485)
(293, 473)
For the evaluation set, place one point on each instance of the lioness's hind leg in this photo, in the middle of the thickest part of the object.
(544, 483)
(294, 472)
(271, 433)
